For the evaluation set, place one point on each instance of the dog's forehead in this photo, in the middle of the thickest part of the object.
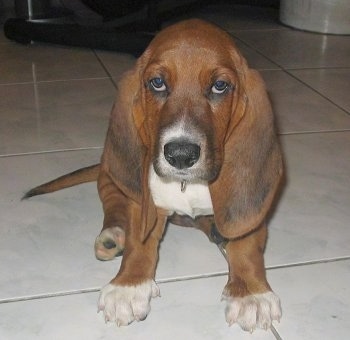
(185, 55)
(188, 57)
(191, 41)
(195, 30)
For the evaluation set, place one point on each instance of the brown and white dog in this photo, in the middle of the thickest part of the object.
(191, 140)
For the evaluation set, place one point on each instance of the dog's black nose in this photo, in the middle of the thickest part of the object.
(181, 155)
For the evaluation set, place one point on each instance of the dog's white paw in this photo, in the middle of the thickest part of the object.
(253, 311)
(124, 304)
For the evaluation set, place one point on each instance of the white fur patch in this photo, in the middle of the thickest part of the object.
(125, 304)
(253, 311)
(167, 194)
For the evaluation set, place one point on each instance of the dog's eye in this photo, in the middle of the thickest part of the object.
(219, 87)
(158, 84)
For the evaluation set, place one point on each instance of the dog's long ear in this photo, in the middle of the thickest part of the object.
(252, 166)
(149, 212)
(127, 149)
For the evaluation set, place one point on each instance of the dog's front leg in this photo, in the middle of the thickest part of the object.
(250, 301)
(111, 241)
(127, 297)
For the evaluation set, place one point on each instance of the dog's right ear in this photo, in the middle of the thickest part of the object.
(124, 151)
(127, 154)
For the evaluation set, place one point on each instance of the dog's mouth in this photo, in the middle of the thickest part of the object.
(181, 177)
(194, 174)
(170, 173)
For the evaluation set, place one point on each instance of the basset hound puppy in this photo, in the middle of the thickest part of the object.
(191, 140)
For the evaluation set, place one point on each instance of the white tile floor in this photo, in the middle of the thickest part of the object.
(54, 106)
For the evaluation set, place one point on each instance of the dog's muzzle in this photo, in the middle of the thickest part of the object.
(181, 155)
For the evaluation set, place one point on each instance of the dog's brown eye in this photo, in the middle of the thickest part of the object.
(158, 84)
(219, 87)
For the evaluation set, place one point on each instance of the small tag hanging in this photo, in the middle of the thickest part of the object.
(183, 185)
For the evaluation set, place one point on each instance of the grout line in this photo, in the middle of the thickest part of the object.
(308, 263)
(49, 295)
(73, 79)
(312, 132)
(53, 81)
(314, 90)
(275, 333)
(193, 277)
(105, 69)
(51, 151)
(318, 68)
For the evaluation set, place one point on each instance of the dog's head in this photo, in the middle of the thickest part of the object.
(189, 93)
(193, 110)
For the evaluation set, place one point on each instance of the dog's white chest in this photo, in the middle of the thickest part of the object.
(194, 201)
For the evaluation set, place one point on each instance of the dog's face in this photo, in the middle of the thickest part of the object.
(189, 97)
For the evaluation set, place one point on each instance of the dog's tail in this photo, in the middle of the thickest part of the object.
(83, 175)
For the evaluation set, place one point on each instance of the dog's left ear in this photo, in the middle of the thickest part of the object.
(252, 167)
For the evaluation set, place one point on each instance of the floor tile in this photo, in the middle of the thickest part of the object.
(41, 237)
(312, 217)
(293, 49)
(116, 63)
(39, 62)
(298, 108)
(255, 60)
(49, 239)
(54, 115)
(186, 310)
(315, 301)
(321, 79)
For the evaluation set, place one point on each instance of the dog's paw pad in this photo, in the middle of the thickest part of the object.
(253, 311)
(110, 243)
(125, 304)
